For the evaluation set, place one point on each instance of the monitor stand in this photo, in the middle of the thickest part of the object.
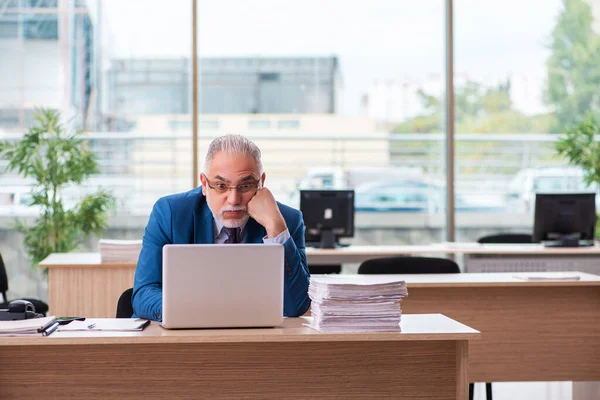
(572, 240)
(568, 243)
(327, 239)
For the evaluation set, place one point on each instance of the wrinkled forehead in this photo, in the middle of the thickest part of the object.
(232, 166)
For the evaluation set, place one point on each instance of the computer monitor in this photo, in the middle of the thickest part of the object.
(565, 219)
(328, 216)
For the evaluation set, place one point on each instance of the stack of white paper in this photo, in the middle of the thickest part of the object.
(338, 306)
(26, 327)
(119, 250)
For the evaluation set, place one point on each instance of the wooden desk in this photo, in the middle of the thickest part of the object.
(527, 257)
(552, 326)
(427, 360)
(358, 254)
(79, 284)
(477, 257)
(530, 331)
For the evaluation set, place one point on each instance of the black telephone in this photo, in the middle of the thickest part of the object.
(19, 309)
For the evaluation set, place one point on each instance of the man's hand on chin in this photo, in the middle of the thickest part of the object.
(263, 208)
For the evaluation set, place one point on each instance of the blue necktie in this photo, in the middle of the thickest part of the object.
(232, 235)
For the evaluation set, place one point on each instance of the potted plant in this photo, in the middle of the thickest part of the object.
(56, 159)
(580, 145)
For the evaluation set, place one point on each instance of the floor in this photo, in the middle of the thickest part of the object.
(526, 391)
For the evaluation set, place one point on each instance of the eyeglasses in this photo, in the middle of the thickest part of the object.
(222, 188)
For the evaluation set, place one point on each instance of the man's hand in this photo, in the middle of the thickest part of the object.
(263, 208)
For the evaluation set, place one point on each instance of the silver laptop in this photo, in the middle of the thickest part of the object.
(222, 285)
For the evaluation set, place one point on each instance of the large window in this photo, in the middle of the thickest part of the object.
(336, 94)
(525, 72)
(119, 70)
(121, 74)
(321, 87)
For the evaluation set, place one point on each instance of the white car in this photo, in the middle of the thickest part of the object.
(520, 196)
(16, 201)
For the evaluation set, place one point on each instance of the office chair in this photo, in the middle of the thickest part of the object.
(416, 265)
(408, 265)
(124, 306)
(324, 269)
(507, 238)
(40, 306)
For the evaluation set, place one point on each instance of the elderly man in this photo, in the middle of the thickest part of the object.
(232, 206)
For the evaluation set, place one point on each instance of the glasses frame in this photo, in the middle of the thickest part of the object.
(239, 188)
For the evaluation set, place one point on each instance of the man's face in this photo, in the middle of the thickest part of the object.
(229, 206)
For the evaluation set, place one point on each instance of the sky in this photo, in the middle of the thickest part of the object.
(399, 40)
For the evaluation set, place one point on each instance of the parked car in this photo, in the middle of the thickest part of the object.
(520, 196)
(348, 178)
(401, 196)
(335, 178)
(16, 200)
(416, 195)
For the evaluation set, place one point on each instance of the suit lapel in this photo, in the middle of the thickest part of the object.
(254, 232)
(203, 225)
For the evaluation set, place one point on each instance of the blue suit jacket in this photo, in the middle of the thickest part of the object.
(185, 218)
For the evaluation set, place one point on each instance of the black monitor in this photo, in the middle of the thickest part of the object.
(565, 219)
(328, 216)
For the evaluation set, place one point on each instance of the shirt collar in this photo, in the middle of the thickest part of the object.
(219, 228)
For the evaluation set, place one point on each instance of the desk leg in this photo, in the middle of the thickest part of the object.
(466, 258)
(586, 390)
(462, 370)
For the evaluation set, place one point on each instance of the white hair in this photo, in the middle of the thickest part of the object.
(236, 144)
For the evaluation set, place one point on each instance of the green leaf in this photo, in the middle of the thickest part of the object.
(581, 147)
(573, 68)
(56, 158)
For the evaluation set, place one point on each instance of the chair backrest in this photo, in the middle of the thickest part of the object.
(124, 306)
(40, 306)
(3, 280)
(409, 265)
(507, 238)
(324, 268)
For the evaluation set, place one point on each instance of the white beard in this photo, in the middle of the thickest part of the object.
(232, 223)
(229, 223)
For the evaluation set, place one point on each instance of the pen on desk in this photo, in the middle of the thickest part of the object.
(91, 326)
(50, 329)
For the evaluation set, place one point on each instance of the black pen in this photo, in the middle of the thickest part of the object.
(51, 329)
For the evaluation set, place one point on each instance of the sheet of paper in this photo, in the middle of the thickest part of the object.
(106, 324)
(548, 276)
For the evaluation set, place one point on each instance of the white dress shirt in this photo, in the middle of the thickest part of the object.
(221, 234)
